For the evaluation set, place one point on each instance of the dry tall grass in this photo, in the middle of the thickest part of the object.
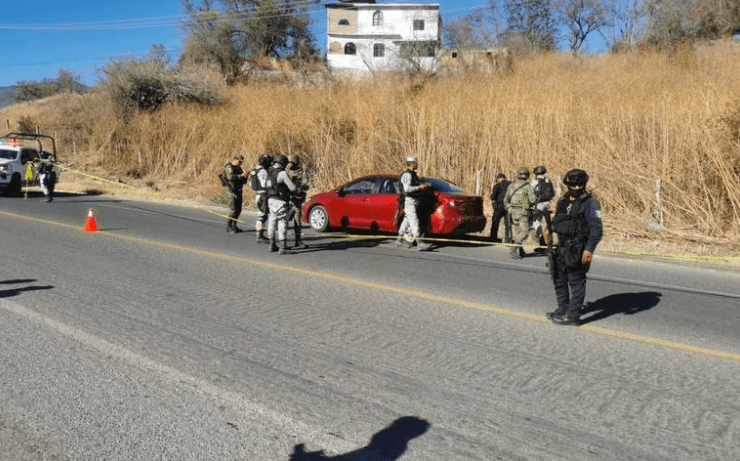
(659, 134)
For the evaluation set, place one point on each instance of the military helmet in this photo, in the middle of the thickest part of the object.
(540, 169)
(575, 177)
(294, 159)
(239, 157)
(265, 160)
(411, 160)
(281, 159)
(522, 173)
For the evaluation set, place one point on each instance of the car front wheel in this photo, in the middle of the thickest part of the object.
(318, 219)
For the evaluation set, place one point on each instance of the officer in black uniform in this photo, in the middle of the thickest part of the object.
(577, 224)
(499, 209)
(235, 178)
(543, 193)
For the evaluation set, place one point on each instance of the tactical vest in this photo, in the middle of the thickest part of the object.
(543, 190)
(570, 221)
(232, 176)
(414, 182)
(274, 190)
(520, 196)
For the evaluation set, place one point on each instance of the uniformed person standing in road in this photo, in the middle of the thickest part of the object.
(411, 190)
(577, 224)
(279, 190)
(235, 177)
(498, 193)
(543, 193)
(261, 197)
(298, 176)
(47, 176)
(518, 200)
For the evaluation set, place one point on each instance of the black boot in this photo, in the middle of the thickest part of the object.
(284, 250)
(273, 247)
(229, 226)
(565, 319)
(298, 242)
(261, 237)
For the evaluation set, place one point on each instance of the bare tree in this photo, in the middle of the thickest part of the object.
(475, 31)
(530, 24)
(229, 32)
(625, 24)
(581, 18)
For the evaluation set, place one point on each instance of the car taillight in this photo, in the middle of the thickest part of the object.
(455, 203)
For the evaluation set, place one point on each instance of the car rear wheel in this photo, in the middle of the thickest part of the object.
(318, 218)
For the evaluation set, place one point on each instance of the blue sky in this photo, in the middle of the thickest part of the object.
(40, 36)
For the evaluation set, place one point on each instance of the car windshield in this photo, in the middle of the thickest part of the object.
(440, 185)
(7, 154)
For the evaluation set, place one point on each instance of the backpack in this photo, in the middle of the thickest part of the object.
(254, 181)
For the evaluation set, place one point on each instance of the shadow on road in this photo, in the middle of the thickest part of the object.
(17, 291)
(623, 303)
(387, 445)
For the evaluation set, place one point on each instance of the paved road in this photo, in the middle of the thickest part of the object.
(163, 337)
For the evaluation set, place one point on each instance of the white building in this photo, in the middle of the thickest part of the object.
(369, 36)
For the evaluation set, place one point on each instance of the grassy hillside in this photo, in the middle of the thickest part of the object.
(6, 96)
(658, 133)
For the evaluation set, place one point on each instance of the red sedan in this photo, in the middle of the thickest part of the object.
(370, 202)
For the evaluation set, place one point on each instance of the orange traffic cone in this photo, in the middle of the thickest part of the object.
(90, 224)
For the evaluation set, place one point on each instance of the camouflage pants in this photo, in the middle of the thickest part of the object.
(410, 221)
(520, 225)
(262, 211)
(278, 219)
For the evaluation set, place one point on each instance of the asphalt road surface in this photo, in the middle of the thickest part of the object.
(162, 337)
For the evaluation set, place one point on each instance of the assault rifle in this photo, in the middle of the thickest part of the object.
(551, 257)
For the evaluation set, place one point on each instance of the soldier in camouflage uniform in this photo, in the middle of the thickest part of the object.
(518, 201)
(298, 176)
(279, 190)
(234, 177)
(264, 163)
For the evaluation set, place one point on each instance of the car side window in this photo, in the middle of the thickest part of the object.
(387, 187)
(363, 186)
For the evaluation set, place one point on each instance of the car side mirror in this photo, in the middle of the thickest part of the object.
(341, 192)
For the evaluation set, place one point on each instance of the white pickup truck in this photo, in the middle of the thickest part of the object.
(18, 151)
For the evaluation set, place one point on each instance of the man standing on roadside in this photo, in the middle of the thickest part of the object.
(279, 190)
(234, 179)
(498, 193)
(261, 196)
(577, 223)
(411, 190)
(543, 193)
(519, 200)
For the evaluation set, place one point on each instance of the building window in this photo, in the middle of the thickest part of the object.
(378, 50)
(378, 18)
(418, 24)
(350, 48)
(343, 22)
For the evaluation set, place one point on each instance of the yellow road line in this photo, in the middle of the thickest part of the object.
(402, 292)
(683, 257)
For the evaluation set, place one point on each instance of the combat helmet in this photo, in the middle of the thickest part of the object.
(522, 173)
(575, 178)
(294, 159)
(281, 159)
(540, 169)
(265, 160)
